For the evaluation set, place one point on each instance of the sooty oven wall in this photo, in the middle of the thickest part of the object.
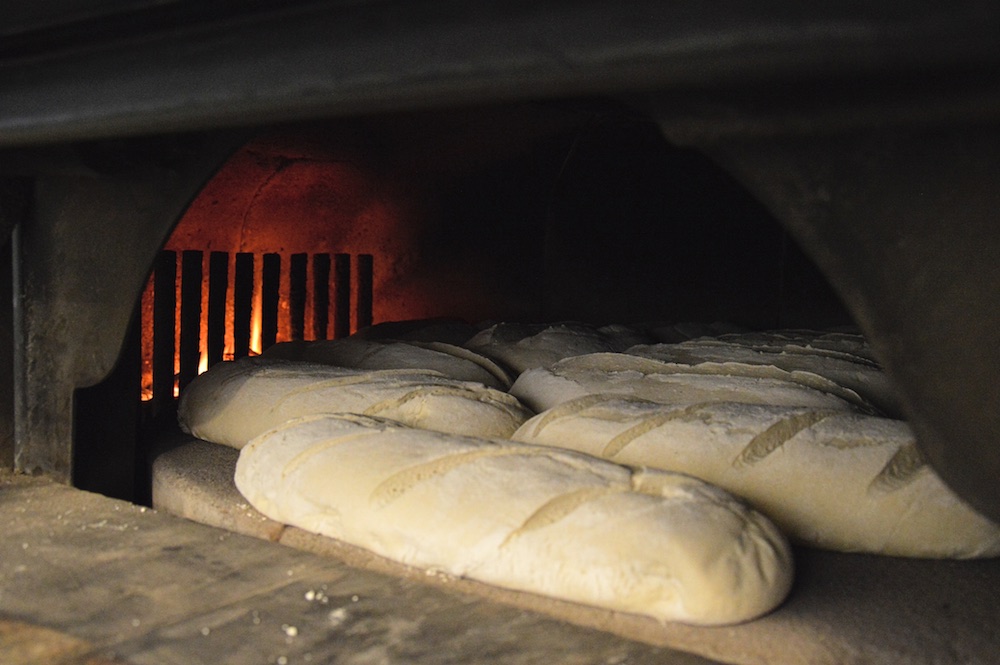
(572, 210)
(527, 212)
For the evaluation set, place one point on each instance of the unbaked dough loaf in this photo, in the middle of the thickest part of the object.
(835, 343)
(451, 361)
(235, 401)
(523, 346)
(674, 383)
(857, 373)
(833, 479)
(524, 517)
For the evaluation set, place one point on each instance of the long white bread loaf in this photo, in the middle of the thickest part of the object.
(235, 401)
(857, 373)
(521, 346)
(833, 479)
(674, 383)
(522, 517)
(454, 362)
(814, 341)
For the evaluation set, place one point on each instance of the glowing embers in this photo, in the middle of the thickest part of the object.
(248, 302)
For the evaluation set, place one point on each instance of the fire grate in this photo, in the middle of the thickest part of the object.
(248, 302)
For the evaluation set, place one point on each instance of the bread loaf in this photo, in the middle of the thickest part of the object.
(523, 517)
(451, 361)
(854, 372)
(840, 344)
(674, 383)
(521, 347)
(829, 478)
(235, 401)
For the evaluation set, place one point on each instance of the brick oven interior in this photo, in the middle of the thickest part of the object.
(548, 212)
(768, 168)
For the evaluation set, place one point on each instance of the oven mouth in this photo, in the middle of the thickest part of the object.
(567, 211)
(872, 138)
(592, 215)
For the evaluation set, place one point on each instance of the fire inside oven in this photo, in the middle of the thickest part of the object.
(532, 213)
(247, 303)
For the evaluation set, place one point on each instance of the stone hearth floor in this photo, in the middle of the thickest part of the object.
(844, 609)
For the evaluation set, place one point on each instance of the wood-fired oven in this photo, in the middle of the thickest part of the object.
(301, 172)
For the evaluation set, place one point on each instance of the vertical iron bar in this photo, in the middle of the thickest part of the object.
(164, 326)
(297, 296)
(321, 295)
(270, 292)
(218, 285)
(242, 304)
(190, 342)
(363, 306)
(341, 295)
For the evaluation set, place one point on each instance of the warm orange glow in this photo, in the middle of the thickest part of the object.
(257, 316)
(146, 324)
(292, 195)
(229, 350)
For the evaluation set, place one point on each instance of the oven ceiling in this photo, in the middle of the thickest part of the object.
(78, 69)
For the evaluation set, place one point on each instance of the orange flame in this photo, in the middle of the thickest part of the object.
(229, 351)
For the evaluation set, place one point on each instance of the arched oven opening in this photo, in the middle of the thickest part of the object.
(569, 211)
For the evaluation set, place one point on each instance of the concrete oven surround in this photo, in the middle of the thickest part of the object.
(870, 132)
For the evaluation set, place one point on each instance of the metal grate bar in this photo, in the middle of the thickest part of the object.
(341, 295)
(321, 295)
(242, 304)
(164, 325)
(218, 286)
(270, 298)
(190, 332)
(363, 305)
(297, 290)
